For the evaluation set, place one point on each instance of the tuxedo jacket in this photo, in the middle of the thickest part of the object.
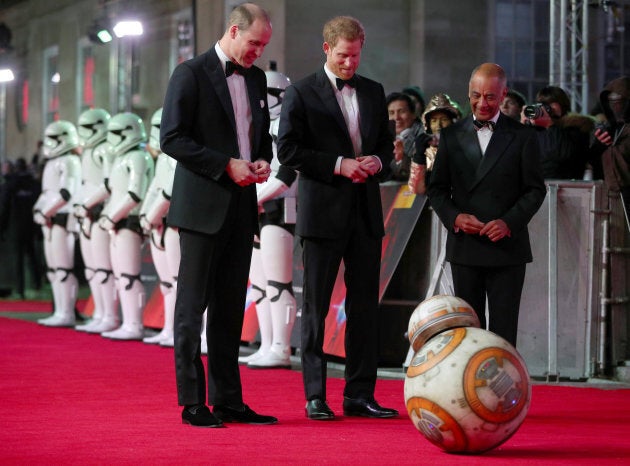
(506, 183)
(198, 129)
(313, 134)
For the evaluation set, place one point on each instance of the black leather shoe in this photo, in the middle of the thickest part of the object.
(318, 409)
(366, 407)
(243, 414)
(200, 416)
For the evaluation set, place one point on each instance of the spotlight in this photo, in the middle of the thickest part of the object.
(128, 28)
(99, 32)
(6, 75)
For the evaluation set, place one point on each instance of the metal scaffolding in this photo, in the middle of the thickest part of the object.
(568, 51)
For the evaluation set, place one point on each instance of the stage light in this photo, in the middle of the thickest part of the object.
(128, 28)
(104, 36)
(6, 75)
(99, 32)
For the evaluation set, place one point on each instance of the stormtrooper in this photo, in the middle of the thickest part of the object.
(164, 240)
(60, 181)
(271, 270)
(131, 173)
(96, 161)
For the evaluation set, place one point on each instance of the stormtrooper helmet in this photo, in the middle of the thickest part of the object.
(125, 131)
(276, 84)
(154, 136)
(92, 126)
(60, 137)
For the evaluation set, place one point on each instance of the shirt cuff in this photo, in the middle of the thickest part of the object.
(338, 165)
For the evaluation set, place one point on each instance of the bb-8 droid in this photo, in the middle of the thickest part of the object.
(467, 390)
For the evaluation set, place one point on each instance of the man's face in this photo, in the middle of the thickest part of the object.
(344, 58)
(485, 94)
(617, 105)
(398, 110)
(439, 120)
(511, 108)
(248, 45)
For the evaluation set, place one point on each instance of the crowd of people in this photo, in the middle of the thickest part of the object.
(222, 190)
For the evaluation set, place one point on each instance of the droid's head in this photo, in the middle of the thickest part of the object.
(92, 126)
(276, 84)
(125, 131)
(154, 136)
(60, 137)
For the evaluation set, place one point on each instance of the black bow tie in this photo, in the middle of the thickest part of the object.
(480, 124)
(352, 82)
(231, 68)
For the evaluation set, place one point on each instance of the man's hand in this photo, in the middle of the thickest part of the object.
(262, 169)
(469, 224)
(495, 230)
(352, 168)
(241, 172)
(603, 136)
(369, 163)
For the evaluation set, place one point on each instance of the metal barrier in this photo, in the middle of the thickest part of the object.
(573, 321)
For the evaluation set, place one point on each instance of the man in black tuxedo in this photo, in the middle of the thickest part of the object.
(215, 122)
(334, 131)
(486, 185)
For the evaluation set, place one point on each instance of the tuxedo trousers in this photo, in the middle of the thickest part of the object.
(213, 274)
(361, 255)
(502, 286)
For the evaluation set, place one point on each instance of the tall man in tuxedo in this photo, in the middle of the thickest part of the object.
(486, 185)
(334, 132)
(215, 122)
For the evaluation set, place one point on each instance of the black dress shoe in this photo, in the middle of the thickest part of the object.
(200, 416)
(318, 409)
(366, 407)
(243, 414)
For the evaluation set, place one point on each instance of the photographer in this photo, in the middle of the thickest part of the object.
(563, 136)
(612, 142)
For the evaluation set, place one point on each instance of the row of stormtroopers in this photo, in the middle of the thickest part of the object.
(271, 271)
(104, 190)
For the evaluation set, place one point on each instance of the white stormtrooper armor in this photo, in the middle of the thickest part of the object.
(96, 160)
(164, 240)
(271, 271)
(131, 173)
(60, 181)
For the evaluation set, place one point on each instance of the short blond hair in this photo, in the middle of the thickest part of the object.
(343, 27)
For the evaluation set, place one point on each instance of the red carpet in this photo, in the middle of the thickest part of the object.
(35, 305)
(72, 398)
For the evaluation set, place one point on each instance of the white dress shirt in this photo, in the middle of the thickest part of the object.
(484, 134)
(240, 104)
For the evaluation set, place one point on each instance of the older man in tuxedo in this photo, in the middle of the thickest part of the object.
(334, 131)
(486, 185)
(215, 122)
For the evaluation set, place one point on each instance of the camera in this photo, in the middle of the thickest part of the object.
(603, 126)
(536, 110)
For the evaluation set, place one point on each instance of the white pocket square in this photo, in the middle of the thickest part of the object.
(262, 103)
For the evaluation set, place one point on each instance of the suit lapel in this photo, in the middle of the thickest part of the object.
(501, 138)
(216, 75)
(326, 93)
(467, 137)
(365, 108)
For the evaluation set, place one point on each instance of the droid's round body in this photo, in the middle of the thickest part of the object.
(467, 390)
